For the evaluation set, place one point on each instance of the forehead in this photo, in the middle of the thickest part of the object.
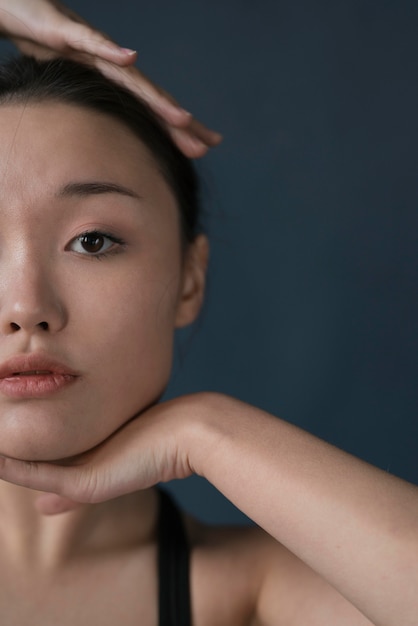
(47, 144)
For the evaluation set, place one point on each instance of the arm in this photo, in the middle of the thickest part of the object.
(354, 525)
(46, 28)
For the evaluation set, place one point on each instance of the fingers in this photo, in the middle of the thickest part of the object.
(50, 24)
(192, 137)
(25, 473)
(33, 49)
(48, 477)
(48, 28)
(195, 140)
(188, 143)
(83, 38)
(134, 80)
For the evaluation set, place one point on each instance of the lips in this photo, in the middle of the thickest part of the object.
(34, 375)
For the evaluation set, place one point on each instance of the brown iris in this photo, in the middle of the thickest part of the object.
(92, 242)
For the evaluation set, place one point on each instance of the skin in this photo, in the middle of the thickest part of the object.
(340, 538)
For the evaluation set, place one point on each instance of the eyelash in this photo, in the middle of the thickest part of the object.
(100, 255)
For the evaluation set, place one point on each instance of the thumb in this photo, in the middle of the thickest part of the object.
(73, 481)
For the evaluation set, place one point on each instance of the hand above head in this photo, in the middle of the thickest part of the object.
(46, 28)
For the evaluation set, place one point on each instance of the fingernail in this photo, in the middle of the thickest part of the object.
(128, 51)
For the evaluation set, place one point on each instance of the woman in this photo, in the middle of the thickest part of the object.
(338, 523)
(86, 352)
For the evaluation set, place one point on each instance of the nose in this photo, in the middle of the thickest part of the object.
(29, 302)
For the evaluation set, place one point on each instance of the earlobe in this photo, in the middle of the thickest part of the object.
(194, 280)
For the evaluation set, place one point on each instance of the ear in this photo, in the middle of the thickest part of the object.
(193, 282)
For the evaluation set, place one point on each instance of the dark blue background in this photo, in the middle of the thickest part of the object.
(312, 202)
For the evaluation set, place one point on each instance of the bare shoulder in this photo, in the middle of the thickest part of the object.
(227, 568)
(242, 576)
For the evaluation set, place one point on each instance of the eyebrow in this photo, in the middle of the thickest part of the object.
(94, 188)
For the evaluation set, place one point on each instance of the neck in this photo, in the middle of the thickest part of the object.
(29, 539)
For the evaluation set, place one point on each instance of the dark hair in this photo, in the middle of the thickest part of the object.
(24, 79)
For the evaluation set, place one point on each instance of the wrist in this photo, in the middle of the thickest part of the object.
(208, 424)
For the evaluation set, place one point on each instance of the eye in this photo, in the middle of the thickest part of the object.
(95, 243)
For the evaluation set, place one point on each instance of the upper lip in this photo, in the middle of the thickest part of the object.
(34, 363)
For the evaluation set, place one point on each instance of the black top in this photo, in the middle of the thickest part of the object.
(173, 566)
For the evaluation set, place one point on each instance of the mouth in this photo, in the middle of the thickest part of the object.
(34, 364)
(34, 375)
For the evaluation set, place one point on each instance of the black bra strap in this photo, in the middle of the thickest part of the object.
(173, 566)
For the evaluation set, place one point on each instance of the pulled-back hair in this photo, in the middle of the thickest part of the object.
(26, 80)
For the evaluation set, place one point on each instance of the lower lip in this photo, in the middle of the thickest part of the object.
(35, 386)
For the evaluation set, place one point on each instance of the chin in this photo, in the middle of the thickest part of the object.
(41, 450)
(44, 439)
(46, 431)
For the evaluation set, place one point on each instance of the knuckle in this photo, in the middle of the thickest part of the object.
(86, 487)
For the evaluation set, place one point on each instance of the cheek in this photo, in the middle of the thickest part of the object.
(139, 333)
(133, 340)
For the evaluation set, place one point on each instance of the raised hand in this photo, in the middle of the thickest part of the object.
(45, 28)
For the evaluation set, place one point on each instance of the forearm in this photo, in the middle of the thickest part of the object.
(354, 524)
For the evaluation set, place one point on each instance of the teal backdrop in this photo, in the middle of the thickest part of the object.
(311, 206)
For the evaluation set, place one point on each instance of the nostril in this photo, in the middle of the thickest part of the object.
(15, 327)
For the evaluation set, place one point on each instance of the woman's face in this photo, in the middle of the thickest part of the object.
(92, 279)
